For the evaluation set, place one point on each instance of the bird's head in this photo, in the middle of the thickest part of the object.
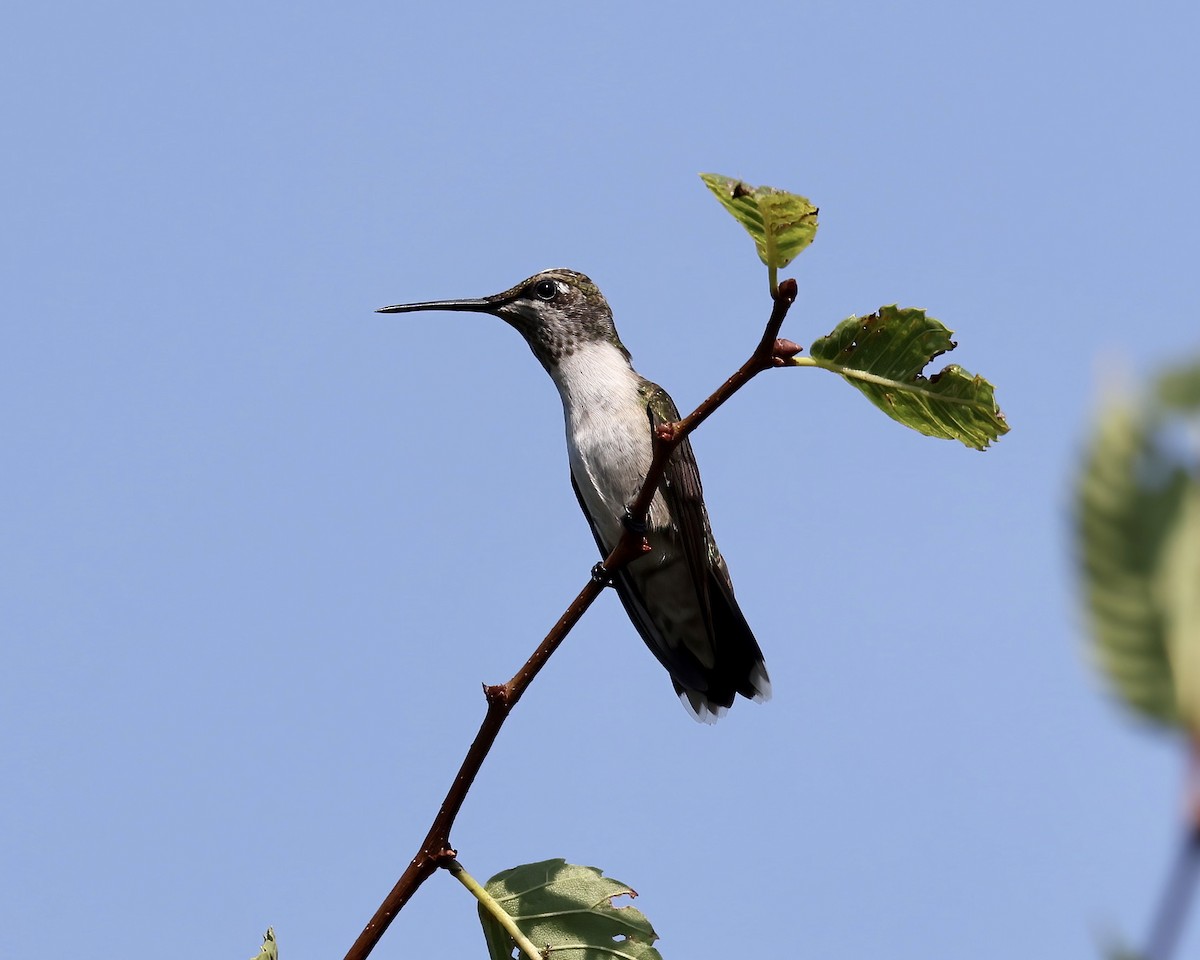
(557, 311)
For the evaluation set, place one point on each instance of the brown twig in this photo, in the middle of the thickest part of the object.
(435, 848)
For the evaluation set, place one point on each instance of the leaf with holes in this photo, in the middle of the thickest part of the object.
(782, 224)
(1137, 519)
(883, 355)
(569, 909)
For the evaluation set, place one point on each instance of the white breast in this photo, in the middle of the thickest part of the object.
(608, 433)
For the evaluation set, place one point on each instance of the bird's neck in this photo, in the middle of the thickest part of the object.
(597, 377)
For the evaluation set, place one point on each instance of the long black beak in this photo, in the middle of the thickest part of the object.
(480, 305)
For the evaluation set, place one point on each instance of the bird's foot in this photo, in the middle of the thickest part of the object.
(602, 575)
(634, 526)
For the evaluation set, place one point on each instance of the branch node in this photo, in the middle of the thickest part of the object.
(496, 693)
(784, 350)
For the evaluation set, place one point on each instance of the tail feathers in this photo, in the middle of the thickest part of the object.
(704, 708)
(735, 666)
(738, 667)
(712, 703)
(699, 707)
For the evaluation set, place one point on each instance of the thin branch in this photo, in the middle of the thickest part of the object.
(1173, 907)
(1181, 883)
(435, 849)
(770, 352)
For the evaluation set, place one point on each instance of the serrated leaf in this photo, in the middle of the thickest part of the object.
(1120, 529)
(782, 224)
(270, 950)
(568, 908)
(1138, 530)
(884, 354)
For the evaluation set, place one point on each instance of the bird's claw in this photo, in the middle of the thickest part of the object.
(634, 526)
(601, 575)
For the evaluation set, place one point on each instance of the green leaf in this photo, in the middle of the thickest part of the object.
(883, 355)
(781, 223)
(270, 950)
(1138, 534)
(569, 909)
(1179, 583)
(1121, 529)
(1179, 390)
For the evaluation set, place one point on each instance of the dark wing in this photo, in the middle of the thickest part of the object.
(737, 665)
(684, 496)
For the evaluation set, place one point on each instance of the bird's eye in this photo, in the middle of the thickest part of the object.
(545, 290)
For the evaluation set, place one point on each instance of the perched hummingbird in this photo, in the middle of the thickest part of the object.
(679, 595)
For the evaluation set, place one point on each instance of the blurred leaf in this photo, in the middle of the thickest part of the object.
(781, 223)
(1179, 390)
(568, 908)
(269, 951)
(1138, 528)
(1179, 585)
(1121, 529)
(1112, 946)
(1122, 953)
(883, 355)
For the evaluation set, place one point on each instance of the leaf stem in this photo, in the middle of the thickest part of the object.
(492, 906)
(906, 386)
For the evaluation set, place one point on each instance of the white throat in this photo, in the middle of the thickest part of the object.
(595, 377)
(608, 433)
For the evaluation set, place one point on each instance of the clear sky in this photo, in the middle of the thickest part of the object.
(261, 545)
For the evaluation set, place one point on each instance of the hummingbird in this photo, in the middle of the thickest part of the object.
(679, 594)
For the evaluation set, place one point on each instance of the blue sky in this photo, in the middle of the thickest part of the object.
(261, 545)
